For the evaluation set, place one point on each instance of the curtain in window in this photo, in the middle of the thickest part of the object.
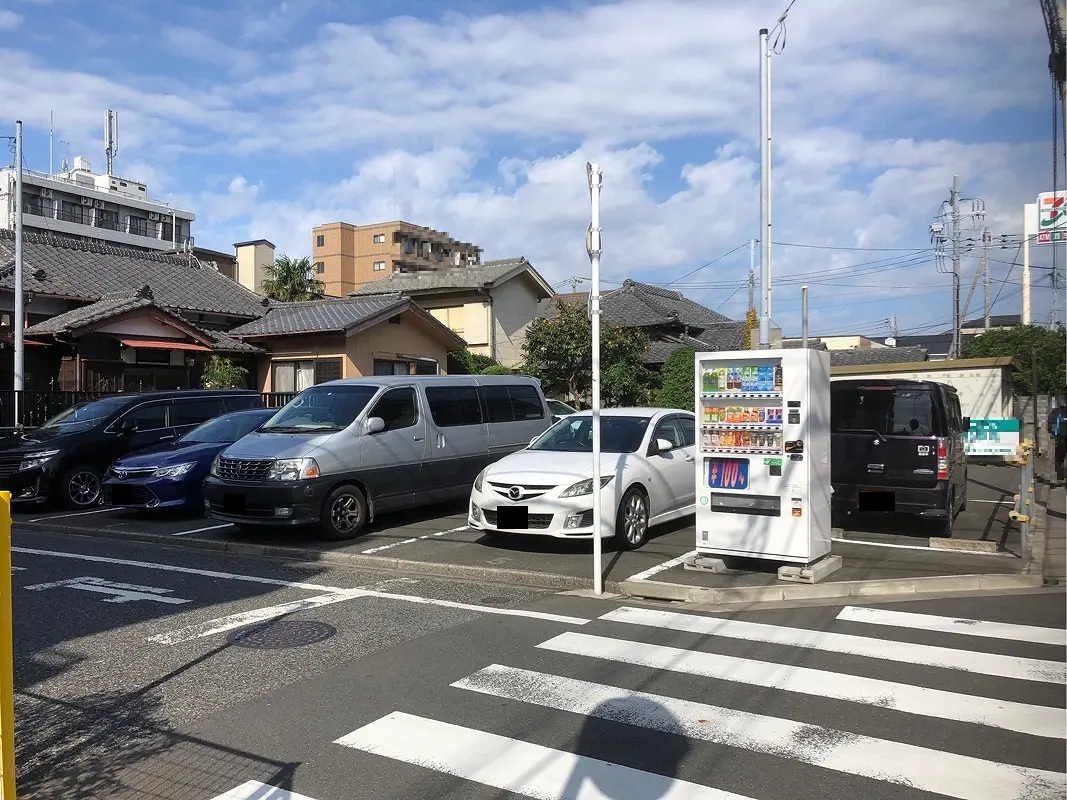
(284, 376)
(305, 375)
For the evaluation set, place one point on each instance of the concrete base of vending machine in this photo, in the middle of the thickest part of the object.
(812, 573)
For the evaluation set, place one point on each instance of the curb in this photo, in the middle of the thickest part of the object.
(931, 586)
(528, 578)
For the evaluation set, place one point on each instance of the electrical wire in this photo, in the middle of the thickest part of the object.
(713, 261)
(862, 249)
(779, 31)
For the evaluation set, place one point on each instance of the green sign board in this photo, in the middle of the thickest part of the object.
(772, 462)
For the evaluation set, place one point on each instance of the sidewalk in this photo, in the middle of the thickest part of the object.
(1051, 522)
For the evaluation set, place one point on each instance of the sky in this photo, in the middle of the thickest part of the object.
(478, 118)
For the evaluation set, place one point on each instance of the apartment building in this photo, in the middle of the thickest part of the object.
(346, 256)
(101, 209)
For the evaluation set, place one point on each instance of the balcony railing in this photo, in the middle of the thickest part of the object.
(78, 215)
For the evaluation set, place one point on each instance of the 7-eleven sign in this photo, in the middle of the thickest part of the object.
(1051, 217)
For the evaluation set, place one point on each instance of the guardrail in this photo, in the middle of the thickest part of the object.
(1022, 512)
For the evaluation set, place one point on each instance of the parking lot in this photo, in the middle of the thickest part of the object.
(437, 539)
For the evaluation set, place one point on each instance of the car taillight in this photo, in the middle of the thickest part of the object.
(942, 459)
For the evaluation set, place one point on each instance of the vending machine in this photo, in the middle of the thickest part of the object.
(763, 465)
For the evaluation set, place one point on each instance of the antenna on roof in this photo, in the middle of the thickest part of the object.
(111, 139)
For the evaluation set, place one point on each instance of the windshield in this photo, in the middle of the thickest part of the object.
(889, 411)
(556, 407)
(575, 435)
(329, 407)
(86, 415)
(228, 428)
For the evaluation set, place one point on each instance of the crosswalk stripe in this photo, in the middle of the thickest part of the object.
(949, 774)
(1031, 669)
(967, 627)
(254, 790)
(1019, 717)
(515, 766)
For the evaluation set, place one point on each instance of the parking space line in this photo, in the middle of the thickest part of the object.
(674, 562)
(254, 790)
(994, 502)
(412, 540)
(201, 530)
(76, 514)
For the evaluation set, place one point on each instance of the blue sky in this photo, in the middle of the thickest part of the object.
(268, 118)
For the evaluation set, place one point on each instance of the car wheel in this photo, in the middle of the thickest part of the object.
(631, 521)
(344, 514)
(80, 487)
(950, 507)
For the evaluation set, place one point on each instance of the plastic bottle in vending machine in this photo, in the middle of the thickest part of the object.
(777, 377)
(705, 439)
(705, 381)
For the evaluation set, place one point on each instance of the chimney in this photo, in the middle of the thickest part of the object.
(253, 258)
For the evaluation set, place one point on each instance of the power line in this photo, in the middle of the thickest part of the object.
(702, 266)
(858, 249)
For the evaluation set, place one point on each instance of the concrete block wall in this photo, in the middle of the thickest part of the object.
(1024, 411)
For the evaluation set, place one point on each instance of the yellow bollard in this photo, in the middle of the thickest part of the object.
(7, 662)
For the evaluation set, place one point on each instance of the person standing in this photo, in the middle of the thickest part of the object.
(1057, 427)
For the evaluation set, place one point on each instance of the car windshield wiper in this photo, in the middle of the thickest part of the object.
(300, 428)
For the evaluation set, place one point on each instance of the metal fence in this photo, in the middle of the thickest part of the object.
(28, 408)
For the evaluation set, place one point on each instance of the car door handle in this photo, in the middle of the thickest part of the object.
(166, 438)
(417, 438)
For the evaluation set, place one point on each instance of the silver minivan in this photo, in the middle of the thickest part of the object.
(342, 452)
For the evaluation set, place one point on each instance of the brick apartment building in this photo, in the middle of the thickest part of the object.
(346, 256)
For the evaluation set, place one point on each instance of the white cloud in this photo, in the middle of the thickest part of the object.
(9, 20)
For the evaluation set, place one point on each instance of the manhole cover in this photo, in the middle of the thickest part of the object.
(281, 634)
(494, 601)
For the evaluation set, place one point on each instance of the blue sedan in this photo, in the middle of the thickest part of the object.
(169, 475)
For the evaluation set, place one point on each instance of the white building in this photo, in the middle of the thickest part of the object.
(105, 209)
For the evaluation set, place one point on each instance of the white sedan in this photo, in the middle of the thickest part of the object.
(647, 475)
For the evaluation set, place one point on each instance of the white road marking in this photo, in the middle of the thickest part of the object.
(315, 587)
(1029, 669)
(994, 502)
(674, 562)
(240, 620)
(77, 514)
(1019, 717)
(511, 765)
(18, 569)
(967, 627)
(254, 790)
(201, 530)
(882, 544)
(411, 541)
(120, 592)
(919, 768)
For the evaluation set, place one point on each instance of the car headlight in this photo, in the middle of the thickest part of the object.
(478, 481)
(293, 469)
(37, 459)
(585, 487)
(175, 471)
(214, 471)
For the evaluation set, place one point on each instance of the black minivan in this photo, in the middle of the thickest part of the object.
(65, 458)
(898, 446)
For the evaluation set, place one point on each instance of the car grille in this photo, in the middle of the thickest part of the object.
(535, 521)
(131, 472)
(132, 495)
(9, 464)
(239, 469)
(529, 491)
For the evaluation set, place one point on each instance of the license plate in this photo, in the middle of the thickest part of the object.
(120, 494)
(727, 473)
(233, 502)
(513, 517)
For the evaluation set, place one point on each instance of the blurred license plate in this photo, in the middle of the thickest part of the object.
(233, 502)
(727, 473)
(513, 517)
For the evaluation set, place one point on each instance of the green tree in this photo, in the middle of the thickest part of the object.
(559, 351)
(676, 381)
(291, 279)
(1020, 342)
(497, 369)
(751, 324)
(221, 373)
(464, 362)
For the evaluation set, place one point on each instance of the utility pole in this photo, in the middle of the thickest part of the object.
(765, 189)
(986, 238)
(804, 316)
(752, 273)
(955, 204)
(18, 378)
(947, 227)
(111, 139)
(593, 248)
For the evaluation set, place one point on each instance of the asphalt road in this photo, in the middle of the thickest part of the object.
(433, 689)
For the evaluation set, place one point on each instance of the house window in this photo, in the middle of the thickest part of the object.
(386, 367)
(139, 226)
(107, 219)
(320, 267)
(320, 240)
(32, 204)
(295, 376)
(379, 238)
(379, 266)
(74, 212)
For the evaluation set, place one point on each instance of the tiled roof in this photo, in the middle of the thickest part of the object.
(89, 272)
(876, 355)
(224, 343)
(720, 338)
(797, 344)
(485, 275)
(94, 312)
(639, 305)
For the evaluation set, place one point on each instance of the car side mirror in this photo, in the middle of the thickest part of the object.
(663, 446)
(966, 423)
(374, 424)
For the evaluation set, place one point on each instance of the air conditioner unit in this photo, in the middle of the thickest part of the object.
(98, 203)
(152, 215)
(86, 201)
(46, 192)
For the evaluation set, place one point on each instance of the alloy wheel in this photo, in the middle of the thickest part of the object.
(346, 513)
(83, 488)
(635, 519)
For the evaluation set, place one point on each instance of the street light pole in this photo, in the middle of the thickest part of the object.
(765, 190)
(20, 312)
(593, 248)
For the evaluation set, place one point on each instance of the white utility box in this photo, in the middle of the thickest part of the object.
(763, 465)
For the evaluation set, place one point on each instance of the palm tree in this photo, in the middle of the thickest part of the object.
(290, 279)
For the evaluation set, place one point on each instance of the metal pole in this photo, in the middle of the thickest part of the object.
(173, 231)
(804, 316)
(7, 662)
(593, 247)
(50, 173)
(985, 271)
(20, 300)
(1027, 233)
(1033, 395)
(955, 201)
(765, 190)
